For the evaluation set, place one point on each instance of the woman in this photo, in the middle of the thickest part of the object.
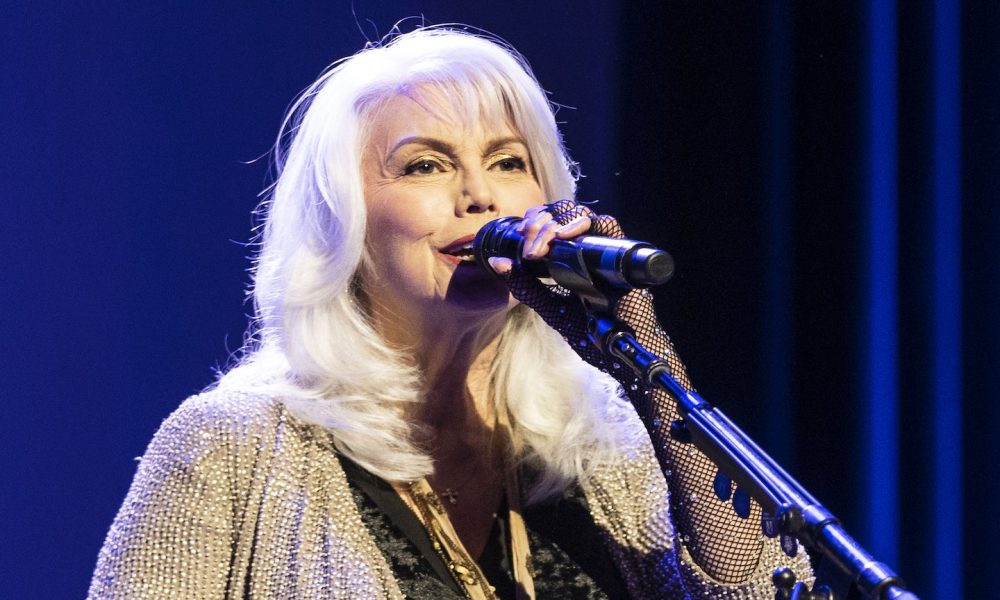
(403, 426)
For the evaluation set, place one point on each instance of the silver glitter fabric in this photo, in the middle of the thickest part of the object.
(235, 498)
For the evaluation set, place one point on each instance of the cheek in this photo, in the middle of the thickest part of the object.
(394, 218)
(395, 236)
(529, 195)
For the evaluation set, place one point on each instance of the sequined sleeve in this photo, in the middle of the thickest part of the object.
(630, 501)
(174, 535)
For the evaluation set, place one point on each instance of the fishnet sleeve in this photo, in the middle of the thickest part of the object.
(723, 545)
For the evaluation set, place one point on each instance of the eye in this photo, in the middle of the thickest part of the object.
(510, 163)
(424, 166)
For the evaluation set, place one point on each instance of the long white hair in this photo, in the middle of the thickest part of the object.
(313, 344)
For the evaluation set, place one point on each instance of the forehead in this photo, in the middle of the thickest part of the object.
(439, 112)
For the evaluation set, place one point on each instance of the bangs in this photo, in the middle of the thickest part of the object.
(465, 100)
(464, 103)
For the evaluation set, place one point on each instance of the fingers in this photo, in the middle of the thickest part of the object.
(575, 228)
(607, 226)
(539, 228)
(566, 210)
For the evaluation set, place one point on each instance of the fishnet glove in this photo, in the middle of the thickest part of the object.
(725, 546)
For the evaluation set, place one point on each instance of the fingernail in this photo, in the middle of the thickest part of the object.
(530, 252)
(500, 265)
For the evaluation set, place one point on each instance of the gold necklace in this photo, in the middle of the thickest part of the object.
(447, 544)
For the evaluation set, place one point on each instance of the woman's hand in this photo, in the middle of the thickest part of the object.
(560, 309)
(562, 220)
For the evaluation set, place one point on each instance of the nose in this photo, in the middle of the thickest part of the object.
(477, 194)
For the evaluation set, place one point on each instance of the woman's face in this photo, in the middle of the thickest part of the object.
(431, 181)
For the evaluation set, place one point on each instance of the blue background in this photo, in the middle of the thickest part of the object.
(825, 176)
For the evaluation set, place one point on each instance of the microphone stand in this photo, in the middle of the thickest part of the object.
(848, 572)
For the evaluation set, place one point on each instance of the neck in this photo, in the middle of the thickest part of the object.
(456, 413)
(454, 357)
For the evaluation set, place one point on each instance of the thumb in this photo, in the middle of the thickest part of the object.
(500, 265)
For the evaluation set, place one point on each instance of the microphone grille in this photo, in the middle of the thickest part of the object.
(650, 267)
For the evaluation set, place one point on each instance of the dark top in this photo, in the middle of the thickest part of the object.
(568, 553)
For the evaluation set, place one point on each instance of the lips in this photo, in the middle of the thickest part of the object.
(459, 251)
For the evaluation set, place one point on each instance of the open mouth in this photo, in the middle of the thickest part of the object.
(460, 251)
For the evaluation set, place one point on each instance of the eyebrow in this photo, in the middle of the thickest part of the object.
(446, 148)
(501, 142)
(432, 143)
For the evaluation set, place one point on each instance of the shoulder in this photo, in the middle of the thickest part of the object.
(176, 528)
(236, 423)
(225, 410)
(213, 424)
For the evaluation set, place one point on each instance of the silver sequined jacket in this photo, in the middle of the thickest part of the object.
(236, 498)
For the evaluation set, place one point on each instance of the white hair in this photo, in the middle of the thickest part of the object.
(314, 345)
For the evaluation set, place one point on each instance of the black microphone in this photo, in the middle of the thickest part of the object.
(621, 264)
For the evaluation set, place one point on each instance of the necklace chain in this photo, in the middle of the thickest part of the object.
(446, 542)
(451, 494)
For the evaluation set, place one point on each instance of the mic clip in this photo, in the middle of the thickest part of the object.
(568, 269)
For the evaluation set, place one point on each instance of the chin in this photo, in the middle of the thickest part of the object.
(482, 299)
(474, 289)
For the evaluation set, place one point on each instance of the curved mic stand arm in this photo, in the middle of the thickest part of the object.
(790, 509)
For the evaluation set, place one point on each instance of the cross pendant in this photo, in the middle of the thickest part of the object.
(451, 496)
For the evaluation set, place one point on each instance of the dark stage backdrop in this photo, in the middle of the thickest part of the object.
(825, 175)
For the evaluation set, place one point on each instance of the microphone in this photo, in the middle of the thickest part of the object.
(620, 264)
